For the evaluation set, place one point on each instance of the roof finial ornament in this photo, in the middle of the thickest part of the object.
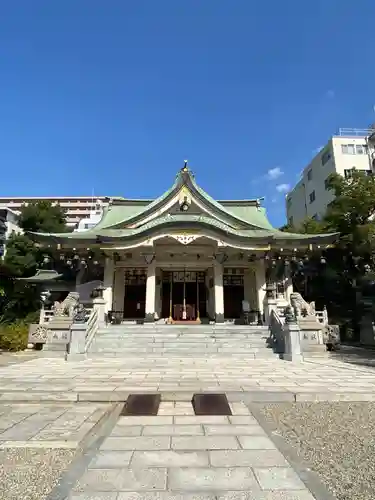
(185, 168)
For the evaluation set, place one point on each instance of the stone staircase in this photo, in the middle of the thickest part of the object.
(197, 341)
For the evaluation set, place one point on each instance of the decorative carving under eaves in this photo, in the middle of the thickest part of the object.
(185, 239)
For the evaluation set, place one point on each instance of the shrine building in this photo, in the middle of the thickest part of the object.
(185, 256)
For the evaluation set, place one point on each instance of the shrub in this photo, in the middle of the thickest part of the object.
(14, 336)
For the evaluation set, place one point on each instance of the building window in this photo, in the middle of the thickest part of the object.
(348, 149)
(309, 175)
(312, 196)
(359, 149)
(326, 156)
(326, 184)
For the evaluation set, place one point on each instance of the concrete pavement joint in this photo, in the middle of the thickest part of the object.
(309, 477)
(84, 456)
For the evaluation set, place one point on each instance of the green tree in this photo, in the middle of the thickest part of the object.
(351, 213)
(23, 257)
(307, 226)
(42, 217)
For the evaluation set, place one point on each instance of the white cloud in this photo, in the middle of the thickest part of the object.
(274, 173)
(283, 188)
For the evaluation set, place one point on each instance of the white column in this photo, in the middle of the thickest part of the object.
(108, 284)
(288, 285)
(260, 278)
(150, 292)
(219, 292)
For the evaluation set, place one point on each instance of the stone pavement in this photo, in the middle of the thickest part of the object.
(48, 426)
(177, 455)
(177, 379)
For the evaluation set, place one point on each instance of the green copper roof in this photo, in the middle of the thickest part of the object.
(244, 213)
(123, 219)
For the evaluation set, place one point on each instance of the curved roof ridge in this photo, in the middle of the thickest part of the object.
(184, 177)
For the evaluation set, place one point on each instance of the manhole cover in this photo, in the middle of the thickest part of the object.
(211, 404)
(141, 405)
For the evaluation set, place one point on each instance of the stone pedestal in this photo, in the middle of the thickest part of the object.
(311, 334)
(99, 305)
(292, 343)
(58, 337)
(76, 350)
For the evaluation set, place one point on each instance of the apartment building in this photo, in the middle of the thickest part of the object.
(77, 208)
(350, 149)
(8, 226)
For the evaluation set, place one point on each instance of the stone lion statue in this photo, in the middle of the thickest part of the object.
(67, 306)
(300, 306)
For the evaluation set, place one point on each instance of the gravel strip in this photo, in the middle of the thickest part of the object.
(30, 474)
(337, 440)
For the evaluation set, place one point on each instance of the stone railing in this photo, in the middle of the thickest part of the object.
(285, 335)
(92, 327)
(45, 316)
(322, 316)
(82, 334)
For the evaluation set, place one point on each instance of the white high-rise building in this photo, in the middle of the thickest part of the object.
(79, 208)
(350, 149)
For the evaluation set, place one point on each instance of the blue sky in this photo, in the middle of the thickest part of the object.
(113, 96)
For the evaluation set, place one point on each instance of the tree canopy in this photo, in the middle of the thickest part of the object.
(23, 258)
(43, 217)
(351, 214)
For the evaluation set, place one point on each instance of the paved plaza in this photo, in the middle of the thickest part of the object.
(63, 419)
(113, 379)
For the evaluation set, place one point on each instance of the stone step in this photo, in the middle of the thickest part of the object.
(173, 355)
(179, 336)
(176, 342)
(175, 349)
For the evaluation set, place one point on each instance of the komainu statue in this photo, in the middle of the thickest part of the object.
(300, 306)
(67, 306)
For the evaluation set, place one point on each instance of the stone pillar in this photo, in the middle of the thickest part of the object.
(77, 343)
(260, 280)
(108, 283)
(219, 292)
(150, 292)
(292, 343)
(99, 305)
